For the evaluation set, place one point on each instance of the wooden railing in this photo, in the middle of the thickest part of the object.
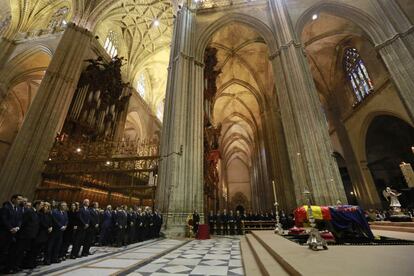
(247, 226)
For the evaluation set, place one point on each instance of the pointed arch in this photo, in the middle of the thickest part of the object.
(256, 24)
(373, 29)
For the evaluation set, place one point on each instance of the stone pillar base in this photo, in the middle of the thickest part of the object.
(176, 231)
(175, 225)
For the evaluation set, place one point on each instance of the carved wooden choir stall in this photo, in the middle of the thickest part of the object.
(89, 158)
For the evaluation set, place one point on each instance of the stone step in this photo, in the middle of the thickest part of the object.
(393, 228)
(251, 267)
(390, 223)
(267, 263)
(288, 268)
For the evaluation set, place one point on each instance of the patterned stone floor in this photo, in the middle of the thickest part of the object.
(217, 256)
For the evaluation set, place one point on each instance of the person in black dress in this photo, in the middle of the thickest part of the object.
(71, 229)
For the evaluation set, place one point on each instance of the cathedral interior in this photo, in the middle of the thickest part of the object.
(207, 104)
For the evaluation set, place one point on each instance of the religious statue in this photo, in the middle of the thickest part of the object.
(392, 196)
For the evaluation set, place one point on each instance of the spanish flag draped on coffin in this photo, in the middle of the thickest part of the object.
(343, 220)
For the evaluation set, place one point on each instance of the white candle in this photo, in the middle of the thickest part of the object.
(274, 191)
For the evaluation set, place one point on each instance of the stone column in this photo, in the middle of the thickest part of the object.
(364, 188)
(180, 187)
(397, 50)
(22, 169)
(308, 142)
(371, 193)
(278, 165)
(262, 159)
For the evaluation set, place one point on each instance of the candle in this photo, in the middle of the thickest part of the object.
(274, 191)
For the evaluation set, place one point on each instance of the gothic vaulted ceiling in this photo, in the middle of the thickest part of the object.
(143, 30)
(243, 60)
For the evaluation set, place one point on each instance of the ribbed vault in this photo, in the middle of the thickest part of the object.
(238, 105)
(143, 29)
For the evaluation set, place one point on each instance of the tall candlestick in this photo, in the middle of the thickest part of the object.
(274, 190)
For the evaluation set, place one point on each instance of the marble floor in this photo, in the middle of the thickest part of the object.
(217, 256)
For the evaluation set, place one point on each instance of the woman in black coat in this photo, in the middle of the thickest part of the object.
(73, 221)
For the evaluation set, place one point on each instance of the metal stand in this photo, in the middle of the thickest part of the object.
(315, 240)
(278, 229)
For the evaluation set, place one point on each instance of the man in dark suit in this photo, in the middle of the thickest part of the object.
(120, 224)
(106, 226)
(140, 225)
(196, 222)
(10, 223)
(60, 223)
(211, 222)
(93, 229)
(132, 220)
(26, 236)
(218, 224)
(231, 222)
(158, 223)
(225, 222)
(239, 222)
(84, 223)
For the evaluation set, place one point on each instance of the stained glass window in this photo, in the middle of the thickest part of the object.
(111, 44)
(357, 74)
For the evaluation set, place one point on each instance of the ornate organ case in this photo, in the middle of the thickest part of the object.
(99, 106)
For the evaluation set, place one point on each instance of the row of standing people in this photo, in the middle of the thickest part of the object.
(223, 223)
(44, 232)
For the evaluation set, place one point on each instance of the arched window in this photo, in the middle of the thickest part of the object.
(111, 44)
(59, 18)
(141, 85)
(357, 74)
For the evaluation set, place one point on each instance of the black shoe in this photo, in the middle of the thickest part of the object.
(72, 257)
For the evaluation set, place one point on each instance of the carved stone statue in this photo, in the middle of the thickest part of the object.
(392, 196)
